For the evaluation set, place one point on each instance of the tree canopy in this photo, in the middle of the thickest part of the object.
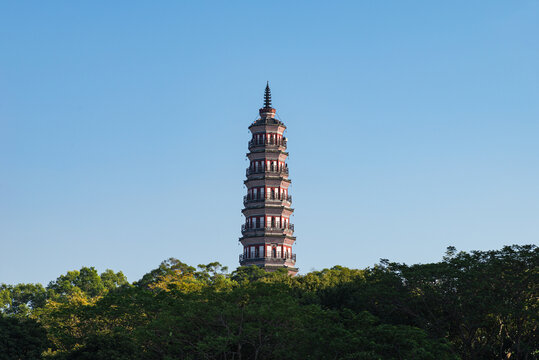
(470, 305)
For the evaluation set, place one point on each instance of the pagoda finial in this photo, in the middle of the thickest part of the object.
(267, 97)
(267, 111)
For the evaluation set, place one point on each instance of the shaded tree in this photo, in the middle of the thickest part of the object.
(21, 339)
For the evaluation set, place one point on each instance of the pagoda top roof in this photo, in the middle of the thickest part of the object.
(267, 121)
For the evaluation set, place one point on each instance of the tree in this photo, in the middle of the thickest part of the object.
(85, 281)
(485, 303)
(170, 267)
(247, 274)
(476, 305)
(21, 339)
(21, 299)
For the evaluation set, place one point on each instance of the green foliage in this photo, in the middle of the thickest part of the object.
(85, 281)
(112, 280)
(21, 339)
(485, 303)
(20, 299)
(477, 305)
(248, 274)
(168, 267)
(211, 272)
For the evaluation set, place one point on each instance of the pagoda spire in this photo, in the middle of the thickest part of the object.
(267, 97)
(267, 112)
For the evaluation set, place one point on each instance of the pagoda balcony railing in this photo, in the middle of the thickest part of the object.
(266, 142)
(280, 256)
(270, 170)
(288, 228)
(251, 199)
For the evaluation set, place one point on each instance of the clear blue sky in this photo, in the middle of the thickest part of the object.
(412, 126)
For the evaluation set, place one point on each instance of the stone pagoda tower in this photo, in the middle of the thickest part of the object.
(267, 235)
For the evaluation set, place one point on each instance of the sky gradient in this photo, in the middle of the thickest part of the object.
(412, 126)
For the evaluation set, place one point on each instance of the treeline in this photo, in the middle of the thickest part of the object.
(477, 305)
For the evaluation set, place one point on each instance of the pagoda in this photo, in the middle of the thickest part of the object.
(267, 235)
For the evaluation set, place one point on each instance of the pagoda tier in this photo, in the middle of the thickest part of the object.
(267, 235)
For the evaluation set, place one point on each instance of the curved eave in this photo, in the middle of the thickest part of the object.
(265, 150)
(263, 178)
(291, 237)
(262, 122)
(281, 207)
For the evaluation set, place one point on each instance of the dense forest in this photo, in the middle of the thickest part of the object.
(476, 305)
